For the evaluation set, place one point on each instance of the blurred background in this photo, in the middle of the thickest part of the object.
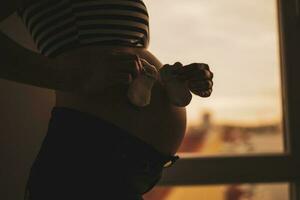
(239, 39)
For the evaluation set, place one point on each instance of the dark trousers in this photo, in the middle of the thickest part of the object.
(85, 157)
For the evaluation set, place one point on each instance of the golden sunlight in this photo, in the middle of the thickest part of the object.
(238, 39)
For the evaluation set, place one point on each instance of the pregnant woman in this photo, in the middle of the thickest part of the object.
(98, 144)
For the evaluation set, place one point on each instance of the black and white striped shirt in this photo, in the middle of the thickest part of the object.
(59, 25)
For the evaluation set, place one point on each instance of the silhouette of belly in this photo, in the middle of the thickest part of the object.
(160, 124)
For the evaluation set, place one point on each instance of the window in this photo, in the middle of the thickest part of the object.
(274, 191)
(269, 104)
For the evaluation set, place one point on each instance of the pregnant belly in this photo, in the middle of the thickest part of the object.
(160, 124)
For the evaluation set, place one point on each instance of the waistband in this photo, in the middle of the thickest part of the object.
(145, 150)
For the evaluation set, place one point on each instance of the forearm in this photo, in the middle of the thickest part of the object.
(24, 66)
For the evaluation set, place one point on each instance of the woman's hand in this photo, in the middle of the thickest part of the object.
(198, 76)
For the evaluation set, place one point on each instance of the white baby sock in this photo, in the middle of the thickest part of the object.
(139, 91)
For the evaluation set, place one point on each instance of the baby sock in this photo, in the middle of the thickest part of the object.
(139, 91)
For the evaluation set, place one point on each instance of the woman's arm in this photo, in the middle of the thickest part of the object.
(76, 75)
(24, 66)
(85, 74)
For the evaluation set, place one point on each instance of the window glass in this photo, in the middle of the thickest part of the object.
(239, 40)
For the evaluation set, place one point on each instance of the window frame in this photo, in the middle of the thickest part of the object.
(262, 168)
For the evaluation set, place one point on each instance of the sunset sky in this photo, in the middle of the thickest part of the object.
(238, 39)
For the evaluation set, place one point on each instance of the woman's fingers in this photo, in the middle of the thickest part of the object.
(196, 75)
(202, 93)
(194, 71)
(201, 85)
(206, 93)
(178, 65)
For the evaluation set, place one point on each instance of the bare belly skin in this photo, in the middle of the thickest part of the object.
(160, 124)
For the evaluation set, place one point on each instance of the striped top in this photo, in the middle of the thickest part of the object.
(59, 25)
